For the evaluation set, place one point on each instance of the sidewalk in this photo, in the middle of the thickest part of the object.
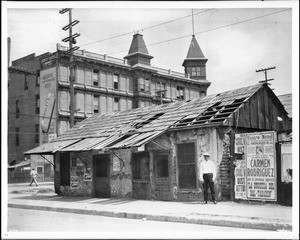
(240, 215)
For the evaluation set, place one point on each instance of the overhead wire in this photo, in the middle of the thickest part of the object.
(145, 28)
(208, 30)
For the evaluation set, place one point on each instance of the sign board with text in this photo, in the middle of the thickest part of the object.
(256, 173)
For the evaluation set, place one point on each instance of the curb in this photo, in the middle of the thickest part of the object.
(202, 220)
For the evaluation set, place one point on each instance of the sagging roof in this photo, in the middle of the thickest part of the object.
(135, 127)
(286, 100)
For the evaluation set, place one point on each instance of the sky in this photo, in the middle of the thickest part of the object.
(237, 40)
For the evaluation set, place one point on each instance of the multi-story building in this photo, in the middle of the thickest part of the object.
(39, 91)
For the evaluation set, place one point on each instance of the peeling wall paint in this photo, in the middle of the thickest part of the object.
(210, 139)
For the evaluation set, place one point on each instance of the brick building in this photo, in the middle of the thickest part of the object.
(39, 91)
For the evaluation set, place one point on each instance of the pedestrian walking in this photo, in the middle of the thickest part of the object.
(207, 176)
(34, 175)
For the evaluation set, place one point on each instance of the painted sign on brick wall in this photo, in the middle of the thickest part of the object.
(47, 104)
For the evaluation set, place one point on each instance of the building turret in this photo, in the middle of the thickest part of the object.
(195, 63)
(138, 53)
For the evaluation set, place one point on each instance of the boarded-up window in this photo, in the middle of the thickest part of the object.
(64, 100)
(186, 165)
(63, 73)
(80, 75)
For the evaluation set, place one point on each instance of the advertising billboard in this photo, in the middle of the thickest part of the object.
(255, 174)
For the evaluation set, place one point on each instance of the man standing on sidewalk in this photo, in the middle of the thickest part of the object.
(34, 175)
(208, 175)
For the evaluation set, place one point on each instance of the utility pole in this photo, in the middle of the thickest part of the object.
(266, 77)
(71, 39)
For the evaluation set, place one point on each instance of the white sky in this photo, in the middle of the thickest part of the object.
(233, 52)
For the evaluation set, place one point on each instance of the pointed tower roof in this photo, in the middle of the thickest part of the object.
(195, 52)
(138, 52)
(138, 45)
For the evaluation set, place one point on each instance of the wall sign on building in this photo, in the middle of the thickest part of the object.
(47, 104)
(258, 167)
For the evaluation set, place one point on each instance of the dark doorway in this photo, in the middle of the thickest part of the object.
(101, 166)
(162, 176)
(141, 175)
(65, 169)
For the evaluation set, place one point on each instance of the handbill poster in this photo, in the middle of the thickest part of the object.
(240, 169)
(258, 168)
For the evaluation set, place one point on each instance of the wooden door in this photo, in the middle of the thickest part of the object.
(65, 169)
(141, 175)
(101, 176)
(162, 176)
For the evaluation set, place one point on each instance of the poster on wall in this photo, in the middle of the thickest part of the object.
(74, 182)
(261, 166)
(47, 104)
(116, 165)
(240, 169)
(286, 162)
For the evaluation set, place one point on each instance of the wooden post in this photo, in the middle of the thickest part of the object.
(232, 180)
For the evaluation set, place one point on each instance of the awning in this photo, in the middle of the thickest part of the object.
(136, 140)
(51, 147)
(21, 164)
(83, 145)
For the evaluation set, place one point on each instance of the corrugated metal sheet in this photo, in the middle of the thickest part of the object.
(50, 147)
(83, 145)
(106, 142)
(136, 140)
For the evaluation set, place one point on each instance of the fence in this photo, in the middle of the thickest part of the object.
(20, 176)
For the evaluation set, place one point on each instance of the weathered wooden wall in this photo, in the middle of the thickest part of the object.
(261, 112)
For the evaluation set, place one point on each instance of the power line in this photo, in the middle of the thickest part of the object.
(146, 28)
(208, 30)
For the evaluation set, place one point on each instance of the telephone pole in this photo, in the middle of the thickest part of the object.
(266, 77)
(71, 39)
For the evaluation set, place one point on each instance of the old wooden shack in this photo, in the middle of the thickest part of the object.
(155, 152)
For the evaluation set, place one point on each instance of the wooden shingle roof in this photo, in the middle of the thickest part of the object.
(139, 119)
(138, 126)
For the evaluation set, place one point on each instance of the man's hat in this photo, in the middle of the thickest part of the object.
(206, 154)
